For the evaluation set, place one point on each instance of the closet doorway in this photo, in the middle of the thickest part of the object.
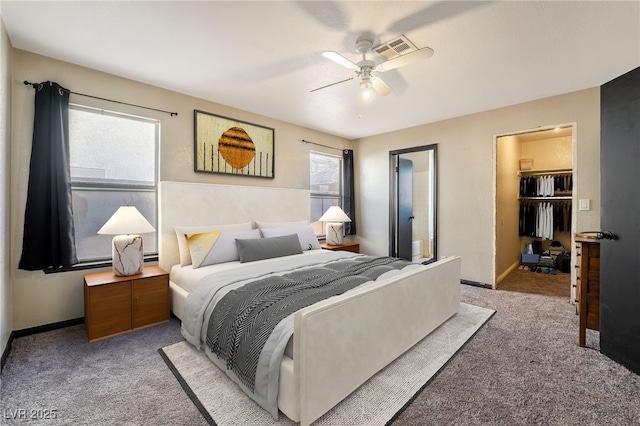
(534, 210)
(412, 215)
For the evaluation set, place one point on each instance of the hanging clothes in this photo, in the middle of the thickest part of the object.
(542, 218)
(544, 222)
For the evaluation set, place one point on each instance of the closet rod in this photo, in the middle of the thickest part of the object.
(544, 172)
(35, 85)
(559, 198)
(319, 144)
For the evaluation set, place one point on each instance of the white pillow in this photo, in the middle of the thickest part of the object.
(308, 239)
(209, 248)
(263, 225)
(183, 231)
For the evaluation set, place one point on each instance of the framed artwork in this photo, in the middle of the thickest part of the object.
(226, 145)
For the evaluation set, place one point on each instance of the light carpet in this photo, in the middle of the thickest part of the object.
(376, 402)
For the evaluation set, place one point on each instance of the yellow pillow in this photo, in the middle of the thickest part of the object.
(200, 245)
(209, 248)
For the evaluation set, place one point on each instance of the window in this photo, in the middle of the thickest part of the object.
(325, 184)
(113, 163)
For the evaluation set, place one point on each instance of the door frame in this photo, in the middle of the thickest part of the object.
(574, 210)
(393, 208)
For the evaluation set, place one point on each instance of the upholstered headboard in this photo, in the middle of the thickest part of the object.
(185, 204)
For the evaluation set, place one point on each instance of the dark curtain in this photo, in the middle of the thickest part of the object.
(349, 196)
(48, 240)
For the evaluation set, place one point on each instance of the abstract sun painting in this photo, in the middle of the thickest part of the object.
(225, 145)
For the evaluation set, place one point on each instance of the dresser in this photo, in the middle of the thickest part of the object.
(114, 305)
(587, 285)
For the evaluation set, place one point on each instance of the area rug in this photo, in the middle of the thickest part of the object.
(376, 402)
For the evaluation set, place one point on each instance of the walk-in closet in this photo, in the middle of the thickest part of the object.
(534, 211)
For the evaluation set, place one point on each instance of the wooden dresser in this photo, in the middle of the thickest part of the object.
(115, 305)
(587, 285)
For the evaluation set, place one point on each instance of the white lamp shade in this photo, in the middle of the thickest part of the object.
(334, 217)
(126, 220)
(335, 214)
(128, 250)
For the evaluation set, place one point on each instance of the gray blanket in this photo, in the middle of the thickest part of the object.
(211, 289)
(243, 320)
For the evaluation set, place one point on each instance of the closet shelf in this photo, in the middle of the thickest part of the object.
(560, 197)
(544, 172)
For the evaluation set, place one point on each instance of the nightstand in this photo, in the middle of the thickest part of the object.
(346, 246)
(114, 305)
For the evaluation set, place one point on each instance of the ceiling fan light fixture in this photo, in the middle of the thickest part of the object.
(398, 53)
(366, 90)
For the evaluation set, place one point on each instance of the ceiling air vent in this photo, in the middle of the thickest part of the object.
(397, 47)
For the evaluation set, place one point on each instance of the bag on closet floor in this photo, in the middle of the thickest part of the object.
(563, 262)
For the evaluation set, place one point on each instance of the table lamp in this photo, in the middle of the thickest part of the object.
(335, 218)
(128, 253)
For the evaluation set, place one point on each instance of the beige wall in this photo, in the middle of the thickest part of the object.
(549, 154)
(466, 174)
(508, 154)
(5, 180)
(42, 299)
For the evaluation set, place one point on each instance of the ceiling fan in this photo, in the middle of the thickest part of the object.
(366, 68)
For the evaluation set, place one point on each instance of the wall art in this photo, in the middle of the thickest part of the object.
(230, 146)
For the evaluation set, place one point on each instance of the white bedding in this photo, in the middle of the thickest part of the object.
(207, 289)
(187, 277)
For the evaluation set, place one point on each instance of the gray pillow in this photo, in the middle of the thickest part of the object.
(267, 248)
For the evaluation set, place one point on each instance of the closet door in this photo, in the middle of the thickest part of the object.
(620, 215)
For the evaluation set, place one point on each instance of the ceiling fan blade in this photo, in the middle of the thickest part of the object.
(379, 85)
(339, 59)
(332, 84)
(409, 58)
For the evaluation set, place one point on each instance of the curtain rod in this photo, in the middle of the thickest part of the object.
(35, 85)
(319, 144)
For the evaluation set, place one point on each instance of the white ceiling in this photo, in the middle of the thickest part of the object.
(264, 56)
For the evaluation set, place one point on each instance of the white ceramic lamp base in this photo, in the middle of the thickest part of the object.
(333, 233)
(128, 255)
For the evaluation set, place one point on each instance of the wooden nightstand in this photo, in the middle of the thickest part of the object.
(346, 246)
(115, 305)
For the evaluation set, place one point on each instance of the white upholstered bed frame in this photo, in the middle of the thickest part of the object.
(338, 343)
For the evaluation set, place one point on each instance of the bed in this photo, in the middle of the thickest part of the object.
(337, 343)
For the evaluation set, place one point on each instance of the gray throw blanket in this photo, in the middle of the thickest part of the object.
(242, 321)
